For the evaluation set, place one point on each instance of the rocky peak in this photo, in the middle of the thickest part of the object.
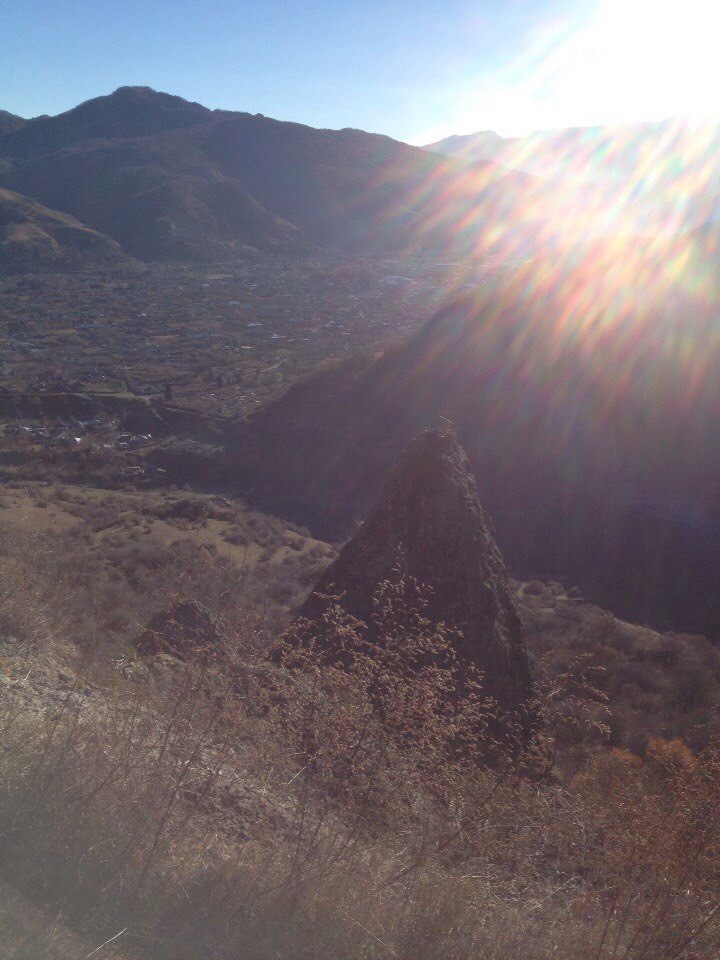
(429, 525)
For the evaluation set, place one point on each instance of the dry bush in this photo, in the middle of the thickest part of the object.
(38, 605)
(639, 683)
(340, 807)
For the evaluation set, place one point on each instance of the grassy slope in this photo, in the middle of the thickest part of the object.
(32, 235)
(133, 551)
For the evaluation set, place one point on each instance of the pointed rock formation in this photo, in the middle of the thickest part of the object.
(429, 525)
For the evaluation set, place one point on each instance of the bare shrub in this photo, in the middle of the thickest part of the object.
(347, 801)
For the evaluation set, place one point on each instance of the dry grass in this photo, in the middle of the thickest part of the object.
(129, 554)
(623, 684)
(232, 807)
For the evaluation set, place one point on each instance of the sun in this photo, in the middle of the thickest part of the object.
(609, 61)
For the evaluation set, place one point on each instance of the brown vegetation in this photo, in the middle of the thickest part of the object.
(322, 812)
(123, 556)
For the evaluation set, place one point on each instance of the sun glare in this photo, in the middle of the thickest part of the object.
(619, 61)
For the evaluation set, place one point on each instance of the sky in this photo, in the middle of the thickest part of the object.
(417, 70)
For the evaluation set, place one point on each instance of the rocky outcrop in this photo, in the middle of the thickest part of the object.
(593, 474)
(430, 526)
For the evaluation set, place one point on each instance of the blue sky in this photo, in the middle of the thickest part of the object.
(415, 69)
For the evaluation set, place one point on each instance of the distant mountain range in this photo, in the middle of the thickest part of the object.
(669, 167)
(169, 179)
(166, 179)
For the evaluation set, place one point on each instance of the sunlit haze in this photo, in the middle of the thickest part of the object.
(613, 61)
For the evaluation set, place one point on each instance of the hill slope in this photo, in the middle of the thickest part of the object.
(10, 121)
(597, 461)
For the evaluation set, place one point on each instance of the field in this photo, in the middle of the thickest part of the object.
(167, 809)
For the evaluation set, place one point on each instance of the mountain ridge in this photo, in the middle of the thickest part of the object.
(621, 155)
(170, 179)
(146, 167)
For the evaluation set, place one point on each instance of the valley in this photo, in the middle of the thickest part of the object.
(116, 375)
(225, 338)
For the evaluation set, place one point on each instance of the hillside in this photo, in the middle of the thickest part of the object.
(600, 472)
(171, 179)
(34, 236)
(172, 804)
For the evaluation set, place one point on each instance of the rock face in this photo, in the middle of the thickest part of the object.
(429, 524)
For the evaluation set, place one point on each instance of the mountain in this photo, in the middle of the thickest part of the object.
(129, 112)
(592, 153)
(172, 179)
(590, 424)
(33, 236)
(10, 121)
(484, 145)
(429, 525)
(665, 173)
